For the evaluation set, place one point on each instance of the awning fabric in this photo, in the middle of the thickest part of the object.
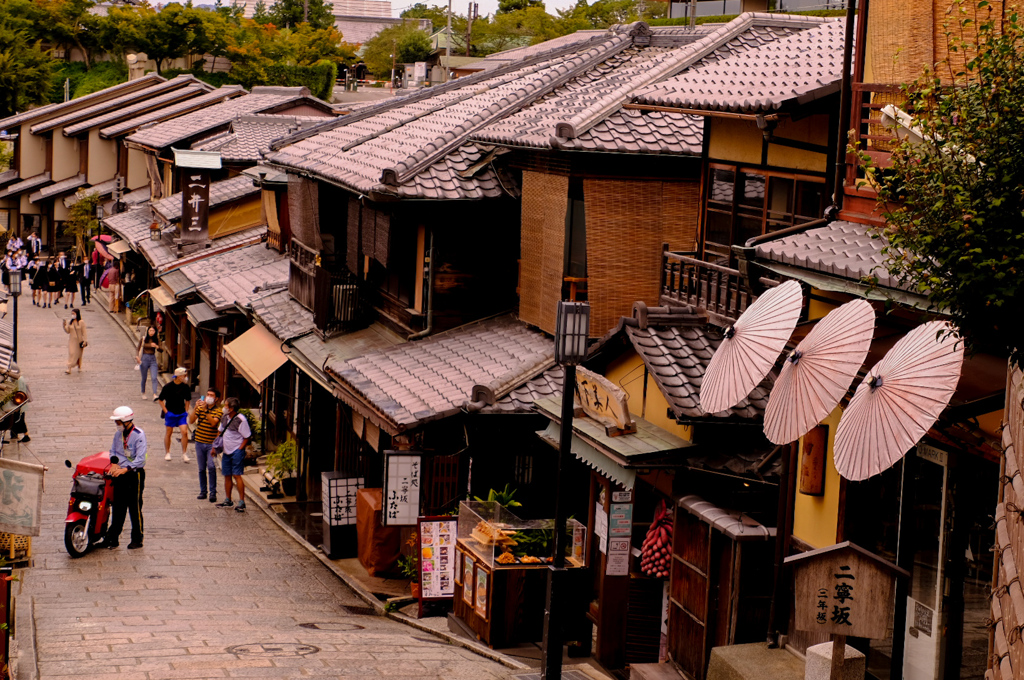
(591, 456)
(202, 313)
(118, 248)
(256, 354)
(161, 298)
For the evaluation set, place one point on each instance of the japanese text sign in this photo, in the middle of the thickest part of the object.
(602, 400)
(844, 590)
(339, 498)
(402, 480)
(195, 206)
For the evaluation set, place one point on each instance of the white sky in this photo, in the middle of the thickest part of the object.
(486, 6)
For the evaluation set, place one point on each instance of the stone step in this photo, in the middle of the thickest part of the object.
(654, 671)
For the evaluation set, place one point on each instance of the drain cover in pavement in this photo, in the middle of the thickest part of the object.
(331, 625)
(358, 611)
(273, 649)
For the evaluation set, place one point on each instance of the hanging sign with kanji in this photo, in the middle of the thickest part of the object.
(604, 401)
(195, 205)
(402, 478)
(844, 590)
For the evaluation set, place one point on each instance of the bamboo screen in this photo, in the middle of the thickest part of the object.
(1007, 660)
(303, 211)
(542, 252)
(627, 223)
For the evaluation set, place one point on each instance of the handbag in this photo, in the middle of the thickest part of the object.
(218, 443)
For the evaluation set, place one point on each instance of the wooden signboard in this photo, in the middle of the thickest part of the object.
(603, 401)
(195, 205)
(812, 461)
(402, 478)
(844, 590)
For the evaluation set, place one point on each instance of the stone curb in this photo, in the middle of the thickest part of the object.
(370, 599)
(27, 667)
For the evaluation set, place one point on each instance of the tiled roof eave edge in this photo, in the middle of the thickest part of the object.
(348, 394)
(402, 172)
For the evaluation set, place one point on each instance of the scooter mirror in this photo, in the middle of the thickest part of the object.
(68, 463)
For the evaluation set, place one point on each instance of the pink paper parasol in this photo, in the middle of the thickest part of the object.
(819, 371)
(106, 238)
(899, 400)
(750, 347)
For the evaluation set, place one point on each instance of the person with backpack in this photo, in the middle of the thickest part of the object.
(234, 435)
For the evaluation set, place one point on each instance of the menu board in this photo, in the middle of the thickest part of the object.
(437, 537)
(468, 579)
(481, 592)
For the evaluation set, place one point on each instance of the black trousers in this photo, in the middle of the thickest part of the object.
(128, 490)
(86, 292)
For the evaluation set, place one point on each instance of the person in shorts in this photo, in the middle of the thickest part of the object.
(235, 433)
(174, 399)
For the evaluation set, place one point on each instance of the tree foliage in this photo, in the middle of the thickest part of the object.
(506, 6)
(405, 41)
(25, 70)
(954, 201)
(291, 13)
(81, 219)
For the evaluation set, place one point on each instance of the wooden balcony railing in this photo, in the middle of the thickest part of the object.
(338, 302)
(869, 136)
(721, 291)
(302, 273)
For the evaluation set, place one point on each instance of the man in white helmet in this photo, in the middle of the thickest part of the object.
(128, 468)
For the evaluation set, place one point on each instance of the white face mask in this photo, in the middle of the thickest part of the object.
(209, 401)
(119, 426)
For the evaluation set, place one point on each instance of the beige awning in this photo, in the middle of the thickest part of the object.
(161, 298)
(119, 248)
(256, 354)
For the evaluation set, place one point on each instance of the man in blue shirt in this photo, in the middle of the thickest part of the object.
(128, 470)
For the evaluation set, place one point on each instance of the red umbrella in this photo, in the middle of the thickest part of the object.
(103, 251)
(899, 400)
(750, 347)
(819, 371)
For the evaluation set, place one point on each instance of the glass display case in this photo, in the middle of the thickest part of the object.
(501, 540)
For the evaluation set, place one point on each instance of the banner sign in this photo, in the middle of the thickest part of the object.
(21, 497)
(195, 206)
(402, 478)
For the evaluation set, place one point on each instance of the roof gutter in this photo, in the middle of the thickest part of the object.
(706, 112)
(845, 105)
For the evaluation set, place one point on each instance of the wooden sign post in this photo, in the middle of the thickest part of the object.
(604, 401)
(843, 590)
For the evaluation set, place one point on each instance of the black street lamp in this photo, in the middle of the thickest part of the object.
(572, 328)
(15, 290)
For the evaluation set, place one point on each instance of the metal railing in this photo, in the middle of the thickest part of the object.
(721, 291)
(337, 302)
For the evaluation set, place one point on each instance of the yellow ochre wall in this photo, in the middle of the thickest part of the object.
(138, 175)
(66, 161)
(740, 141)
(628, 373)
(102, 158)
(816, 518)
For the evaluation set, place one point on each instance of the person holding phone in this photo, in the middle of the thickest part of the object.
(78, 340)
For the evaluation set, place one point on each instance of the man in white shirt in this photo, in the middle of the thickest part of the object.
(235, 433)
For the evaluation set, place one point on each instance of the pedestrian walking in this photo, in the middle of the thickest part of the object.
(78, 340)
(85, 280)
(37, 275)
(35, 244)
(145, 357)
(71, 275)
(52, 284)
(235, 434)
(206, 416)
(112, 281)
(174, 399)
(128, 469)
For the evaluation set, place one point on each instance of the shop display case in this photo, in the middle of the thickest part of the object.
(500, 558)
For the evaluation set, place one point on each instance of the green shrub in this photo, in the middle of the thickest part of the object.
(103, 74)
(319, 78)
(217, 79)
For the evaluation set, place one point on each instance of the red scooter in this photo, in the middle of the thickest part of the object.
(89, 506)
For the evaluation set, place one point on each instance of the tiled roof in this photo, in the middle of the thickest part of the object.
(158, 105)
(587, 114)
(163, 255)
(283, 316)
(676, 346)
(8, 176)
(230, 277)
(505, 57)
(80, 119)
(58, 188)
(80, 102)
(218, 96)
(221, 192)
(418, 382)
(798, 68)
(132, 226)
(102, 189)
(26, 185)
(521, 399)
(310, 353)
(251, 135)
(843, 249)
(184, 127)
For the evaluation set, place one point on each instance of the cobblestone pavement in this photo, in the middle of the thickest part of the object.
(214, 593)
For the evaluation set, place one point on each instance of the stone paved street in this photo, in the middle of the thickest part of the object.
(214, 593)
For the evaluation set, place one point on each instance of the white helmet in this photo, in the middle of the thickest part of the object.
(123, 413)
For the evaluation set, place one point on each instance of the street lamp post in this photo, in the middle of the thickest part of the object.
(572, 328)
(15, 289)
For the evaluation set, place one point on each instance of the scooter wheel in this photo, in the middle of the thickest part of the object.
(76, 539)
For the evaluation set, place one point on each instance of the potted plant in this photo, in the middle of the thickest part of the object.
(409, 565)
(282, 464)
(255, 426)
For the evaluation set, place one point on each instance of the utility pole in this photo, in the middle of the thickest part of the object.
(305, 10)
(471, 14)
(448, 45)
(394, 56)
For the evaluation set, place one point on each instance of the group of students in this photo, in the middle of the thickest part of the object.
(52, 278)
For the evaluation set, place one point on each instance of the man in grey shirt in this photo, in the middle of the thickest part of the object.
(235, 433)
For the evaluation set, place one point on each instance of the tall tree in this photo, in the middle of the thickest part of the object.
(406, 42)
(71, 24)
(291, 13)
(954, 195)
(260, 14)
(506, 6)
(25, 71)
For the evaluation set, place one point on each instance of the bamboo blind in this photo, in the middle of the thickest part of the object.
(542, 251)
(627, 223)
(303, 211)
